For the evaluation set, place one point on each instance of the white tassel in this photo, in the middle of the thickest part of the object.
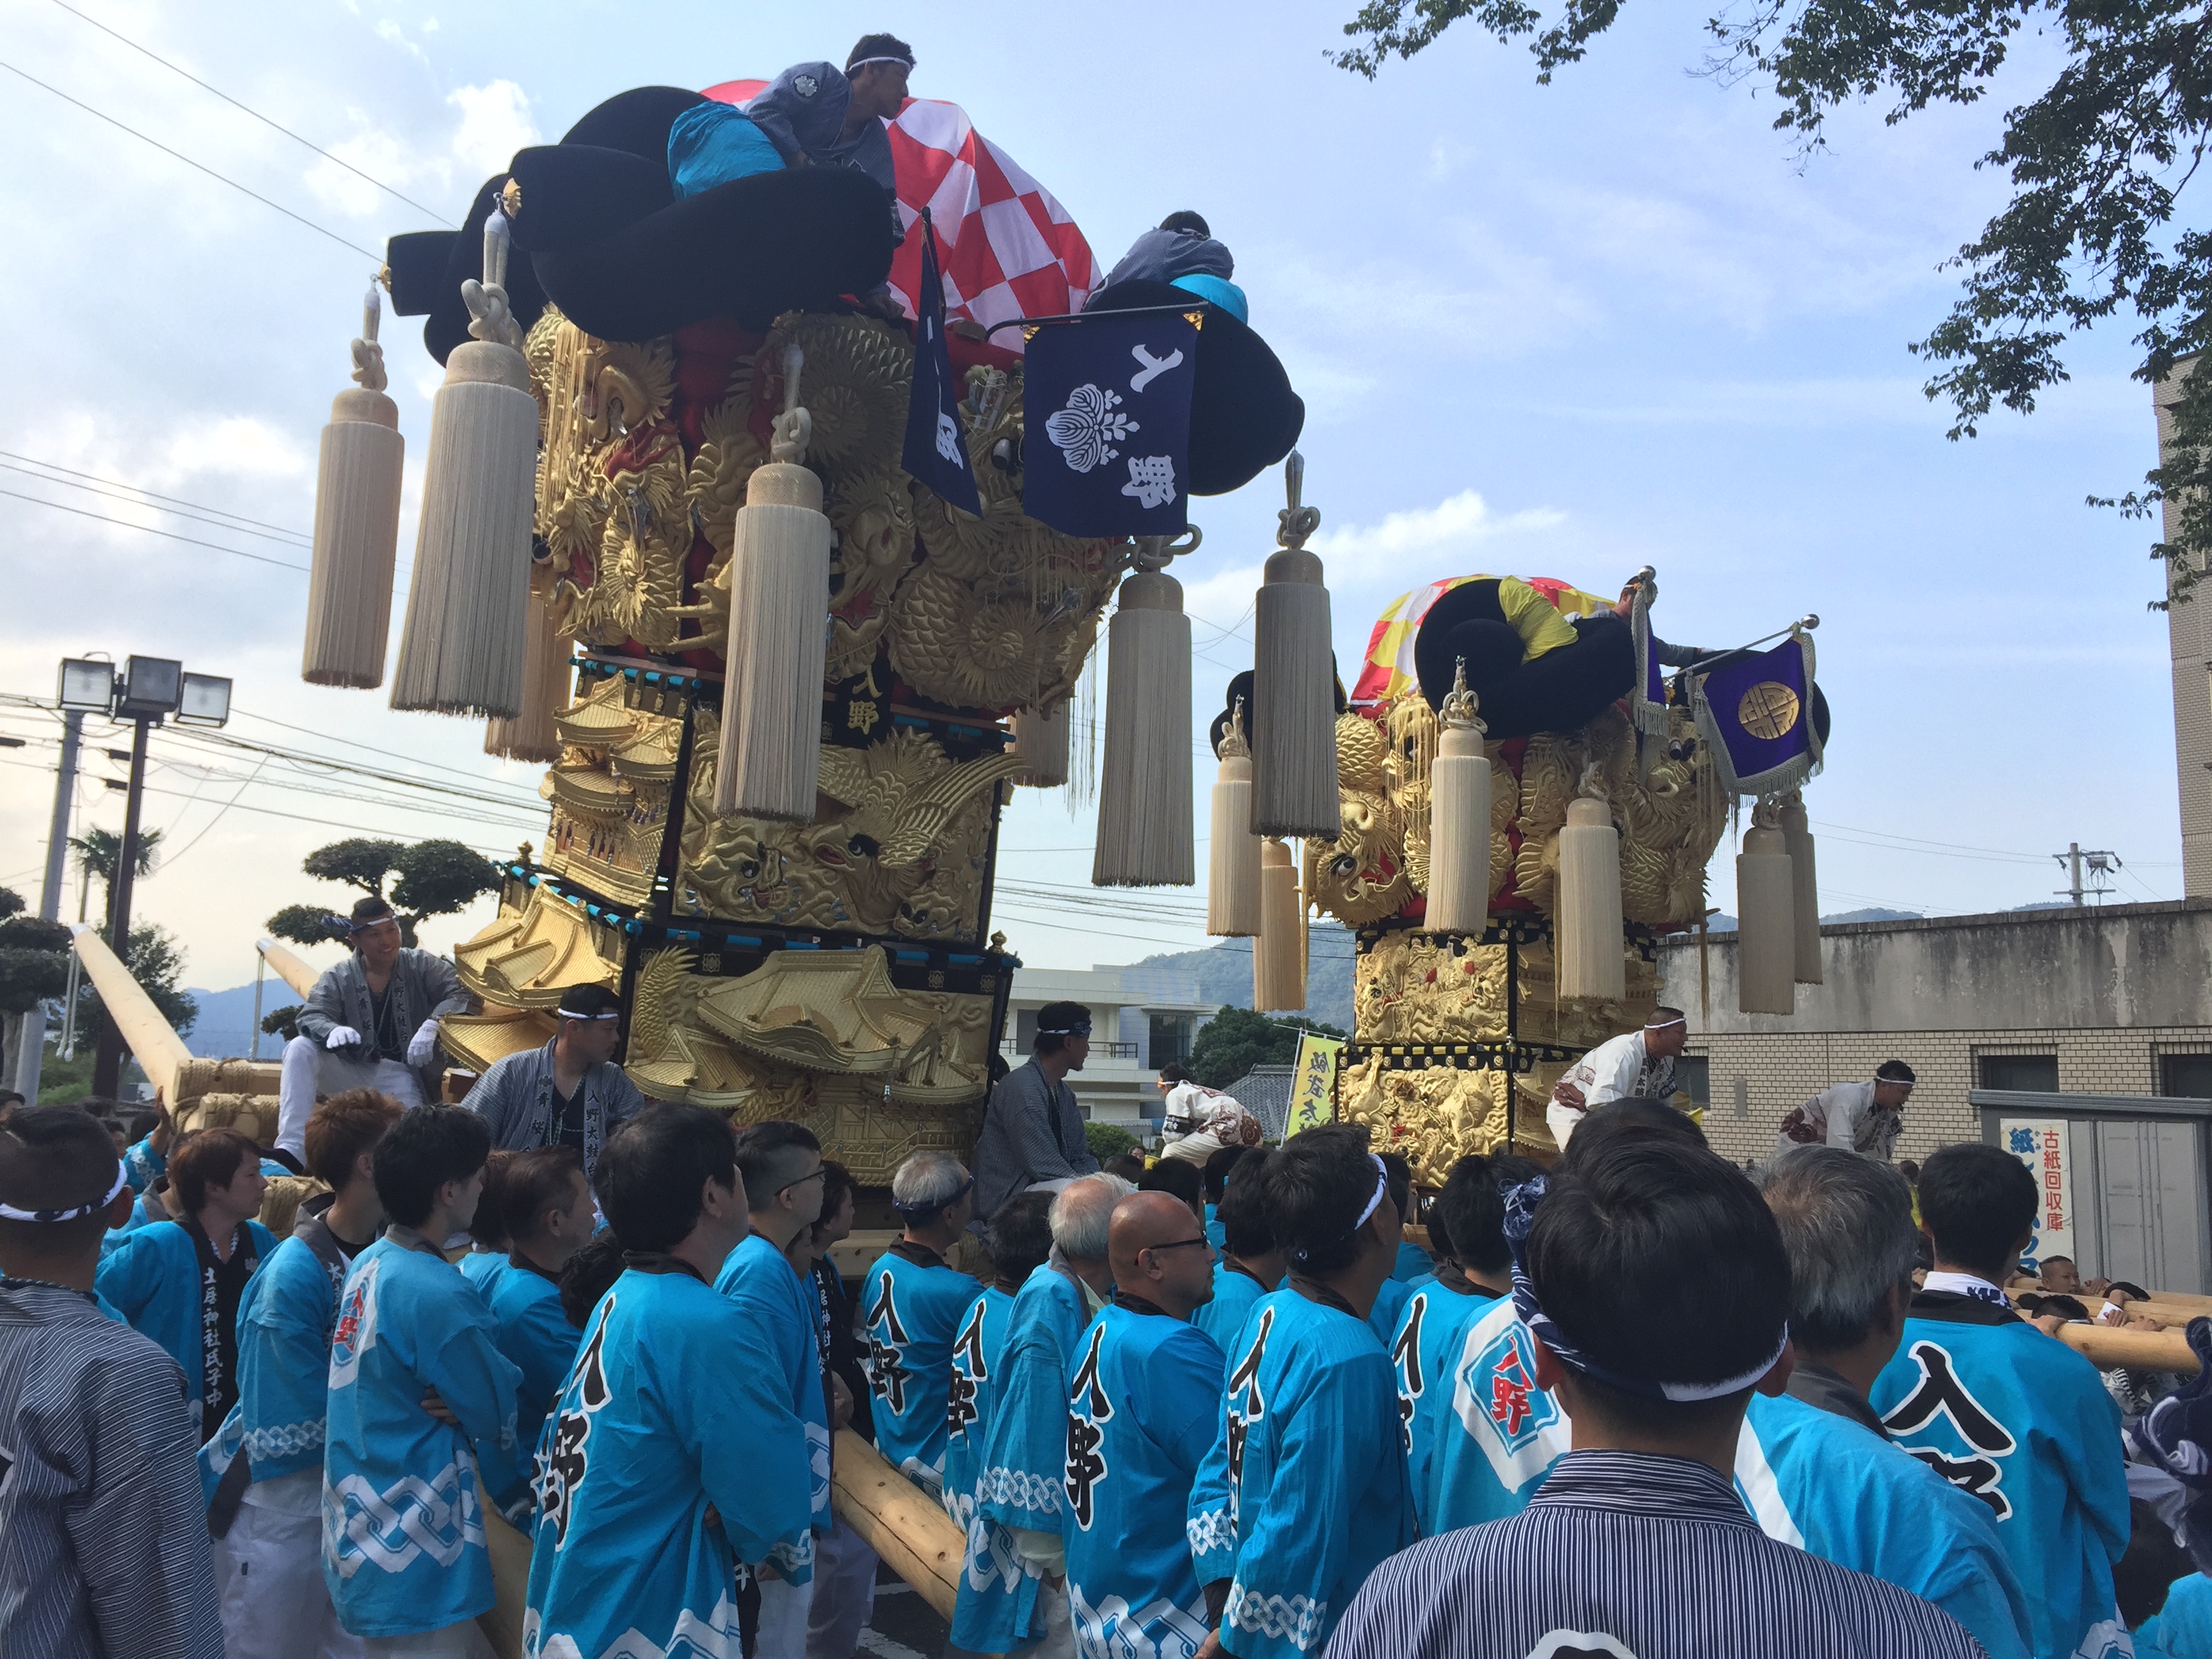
(1767, 903)
(1144, 837)
(1279, 976)
(779, 577)
(1805, 887)
(1232, 882)
(356, 523)
(547, 675)
(1293, 683)
(1459, 819)
(1040, 745)
(1588, 926)
(467, 606)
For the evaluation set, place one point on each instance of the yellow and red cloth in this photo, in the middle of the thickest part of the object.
(1536, 607)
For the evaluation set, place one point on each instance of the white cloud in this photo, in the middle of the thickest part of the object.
(494, 124)
(1415, 538)
(236, 446)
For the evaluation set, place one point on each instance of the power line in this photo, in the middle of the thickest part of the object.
(197, 167)
(207, 515)
(81, 513)
(255, 113)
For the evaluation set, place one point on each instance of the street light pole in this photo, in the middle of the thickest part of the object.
(107, 1066)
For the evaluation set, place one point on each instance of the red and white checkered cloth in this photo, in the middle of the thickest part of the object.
(1006, 247)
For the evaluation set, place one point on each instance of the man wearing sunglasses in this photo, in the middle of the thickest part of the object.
(1144, 1403)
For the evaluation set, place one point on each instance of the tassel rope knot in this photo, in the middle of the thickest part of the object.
(792, 430)
(490, 316)
(1295, 522)
(1462, 707)
(368, 355)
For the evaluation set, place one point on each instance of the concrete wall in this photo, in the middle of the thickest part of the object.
(2190, 635)
(2108, 991)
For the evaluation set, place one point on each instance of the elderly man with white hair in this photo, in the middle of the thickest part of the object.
(1025, 1458)
(912, 1304)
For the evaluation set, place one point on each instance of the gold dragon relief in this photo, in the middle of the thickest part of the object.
(898, 844)
(1436, 1115)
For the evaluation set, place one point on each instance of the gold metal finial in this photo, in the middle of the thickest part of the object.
(1459, 703)
(510, 199)
(1233, 745)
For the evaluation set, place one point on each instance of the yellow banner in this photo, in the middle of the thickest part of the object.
(1313, 1083)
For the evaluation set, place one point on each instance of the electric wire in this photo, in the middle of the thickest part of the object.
(255, 113)
(151, 494)
(198, 515)
(147, 529)
(197, 165)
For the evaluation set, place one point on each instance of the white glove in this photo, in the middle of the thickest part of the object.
(343, 1037)
(420, 1045)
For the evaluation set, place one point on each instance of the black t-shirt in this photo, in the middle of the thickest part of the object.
(569, 1113)
(225, 1281)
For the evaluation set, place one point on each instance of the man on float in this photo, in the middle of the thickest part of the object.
(797, 110)
(1636, 1065)
(1859, 1117)
(370, 1022)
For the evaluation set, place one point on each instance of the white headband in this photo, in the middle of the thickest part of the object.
(1661, 1024)
(907, 63)
(9, 1212)
(571, 1013)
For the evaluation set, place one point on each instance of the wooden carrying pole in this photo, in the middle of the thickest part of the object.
(916, 1539)
(161, 1052)
(2108, 1346)
(287, 967)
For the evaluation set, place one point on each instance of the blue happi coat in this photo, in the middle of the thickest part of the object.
(1304, 1490)
(1424, 1351)
(537, 1340)
(661, 1417)
(403, 1547)
(913, 1306)
(1144, 1408)
(284, 1324)
(151, 1276)
(2181, 1629)
(478, 1266)
(1234, 1291)
(997, 1594)
(780, 1308)
(2023, 1424)
(1808, 1477)
(1389, 1308)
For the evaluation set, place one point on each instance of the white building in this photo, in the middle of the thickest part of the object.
(1141, 1019)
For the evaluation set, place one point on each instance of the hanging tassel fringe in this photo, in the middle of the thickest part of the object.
(1144, 837)
(1278, 978)
(1293, 683)
(467, 606)
(1591, 957)
(1459, 819)
(1232, 878)
(1767, 903)
(1805, 886)
(1040, 745)
(547, 675)
(356, 523)
(779, 576)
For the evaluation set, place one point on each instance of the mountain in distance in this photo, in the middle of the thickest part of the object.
(1224, 972)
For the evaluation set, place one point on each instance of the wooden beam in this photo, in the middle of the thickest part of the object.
(510, 1579)
(287, 967)
(2108, 1346)
(916, 1539)
(161, 1052)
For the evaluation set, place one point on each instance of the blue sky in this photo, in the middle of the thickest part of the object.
(1555, 330)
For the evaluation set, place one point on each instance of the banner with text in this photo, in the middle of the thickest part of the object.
(2042, 1144)
(1313, 1082)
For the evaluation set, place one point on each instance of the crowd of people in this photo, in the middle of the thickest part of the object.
(1639, 1402)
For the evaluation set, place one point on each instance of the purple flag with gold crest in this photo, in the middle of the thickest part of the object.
(1755, 710)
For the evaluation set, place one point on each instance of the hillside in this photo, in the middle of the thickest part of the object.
(1225, 973)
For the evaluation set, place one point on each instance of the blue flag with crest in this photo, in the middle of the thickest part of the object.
(936, 450)
(1106, 407)
(1756, 712)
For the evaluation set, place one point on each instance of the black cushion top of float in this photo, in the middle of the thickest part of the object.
(575, 194)
(749, 249)
(420, 289)
(636, 121)
(1243, 416)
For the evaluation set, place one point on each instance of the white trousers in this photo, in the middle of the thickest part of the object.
(785, 1608)
(269, 1576)
(1562, 1122)
(1058, 1641)
(311, 1070)
(844, 1595)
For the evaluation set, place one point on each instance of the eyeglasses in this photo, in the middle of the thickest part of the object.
(1178, 1244)
(811, 1175)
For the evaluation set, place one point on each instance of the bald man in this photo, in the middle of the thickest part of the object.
(1144, 1408)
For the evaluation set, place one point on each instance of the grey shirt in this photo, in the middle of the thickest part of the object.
(104, 1527)
(1032, 1132)
(802, 112)
(423, 987)
(517, 1102)
(1161, 256)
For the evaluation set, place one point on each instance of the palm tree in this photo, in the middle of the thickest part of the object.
(100, 854)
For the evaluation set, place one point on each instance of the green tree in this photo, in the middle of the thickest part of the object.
(99, 853)
(283, 1022)
(157, 961)
(33, 957)
(2097, 161)
(1236, 1040)
(428, 878)
(1107, 1140)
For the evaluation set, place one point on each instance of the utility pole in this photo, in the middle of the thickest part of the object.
(32, 1053)
(107, 1064)
(2100, 863)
